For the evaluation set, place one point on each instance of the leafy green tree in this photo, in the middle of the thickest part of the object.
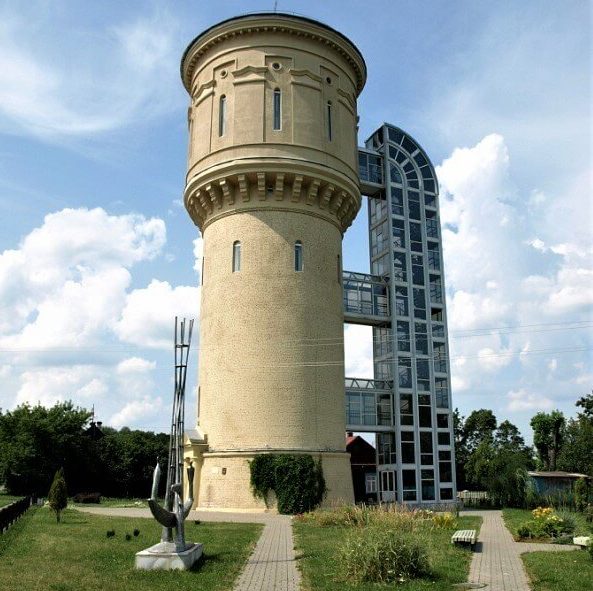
(548, 435)
(479, 425)
(35, 441)
(576, 454)
(58, 494)
(586, 403)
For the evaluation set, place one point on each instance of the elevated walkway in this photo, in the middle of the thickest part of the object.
(366, 299)
(368, 405)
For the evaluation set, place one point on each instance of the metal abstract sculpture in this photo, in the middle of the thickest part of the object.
(174, 512)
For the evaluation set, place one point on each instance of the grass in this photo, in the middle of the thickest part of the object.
(7, 499)
(316, 552)
(513, 518)
(75, 555)
(115, 502)
(559, 571)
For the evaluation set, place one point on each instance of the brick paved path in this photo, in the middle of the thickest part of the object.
(497, 560)
(271, 566)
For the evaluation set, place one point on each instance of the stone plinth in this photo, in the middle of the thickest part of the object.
(165, 556)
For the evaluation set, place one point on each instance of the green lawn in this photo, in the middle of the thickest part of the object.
(560, 571)
(513, 518)
(316, 551)
(75, 555)
(114, 502)
(7, 499)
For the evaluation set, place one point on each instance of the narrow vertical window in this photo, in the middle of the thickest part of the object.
(222, 115)
(329, 121)
(298, 256)
(277, 109)
(236, 256)
(339, 268)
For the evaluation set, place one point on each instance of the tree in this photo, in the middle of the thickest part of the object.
(58, 494)
(576, 454)
(548, 434)
(479, 425)
(586, 403)
(35, 441)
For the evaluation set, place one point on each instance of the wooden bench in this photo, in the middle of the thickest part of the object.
(464, 536)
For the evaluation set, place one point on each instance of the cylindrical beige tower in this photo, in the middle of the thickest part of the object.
(272, 184)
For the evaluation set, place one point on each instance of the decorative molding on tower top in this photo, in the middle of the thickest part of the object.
(285, 24)
(232, 191)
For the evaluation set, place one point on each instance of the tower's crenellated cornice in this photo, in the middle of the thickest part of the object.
(265, 185)
(282, 24)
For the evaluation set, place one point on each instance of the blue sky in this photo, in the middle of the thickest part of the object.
(97, 254)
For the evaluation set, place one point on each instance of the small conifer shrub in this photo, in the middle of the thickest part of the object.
(58, 494)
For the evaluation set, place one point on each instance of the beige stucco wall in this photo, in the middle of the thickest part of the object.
(271, 339)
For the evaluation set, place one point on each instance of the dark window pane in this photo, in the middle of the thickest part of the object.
(446, 494)
(424, 416)
(442, 421)
(444, 438)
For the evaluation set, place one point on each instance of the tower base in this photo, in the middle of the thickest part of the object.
(224, 481)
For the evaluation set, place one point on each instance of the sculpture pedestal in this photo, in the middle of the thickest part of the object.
(165, 556)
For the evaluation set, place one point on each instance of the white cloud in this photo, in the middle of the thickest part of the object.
(149, 314)
(492, 361)
(135, 412)
(66, 282)
(135, 365)
(521, 400)
(80, 86)
(49, 385)
(358, 351)
(68, 308)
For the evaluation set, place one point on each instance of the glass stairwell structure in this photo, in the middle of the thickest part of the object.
(408, 403)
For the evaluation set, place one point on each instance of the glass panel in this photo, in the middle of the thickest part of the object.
(445, 472)
(409, 485)
(406, 409)
(386, 448)
(222, 115)
(429, 200)
(405, 372)
(395, 174)
(298, 256)
(277, 109)
(408, 145)
(424, 416)
(403, 335)
(401, 301)
(236, 256)
(399, 267)
(417, 269)
(444, 438)
(415, 237)
(399, 233)
(408, 456)
(428, 492)
(377, 208)
(429, 185)
(397, 201)
(442, 421)
(446, 494)
(419, 303)
(442, 393)
(395, 136)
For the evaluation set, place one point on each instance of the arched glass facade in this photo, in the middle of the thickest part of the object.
(415, 454)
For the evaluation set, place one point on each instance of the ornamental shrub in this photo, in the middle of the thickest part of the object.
(444, 520)
(297, 481)
(378, 555)
(58, 494)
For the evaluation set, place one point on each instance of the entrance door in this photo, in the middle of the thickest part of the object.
(387, 478)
